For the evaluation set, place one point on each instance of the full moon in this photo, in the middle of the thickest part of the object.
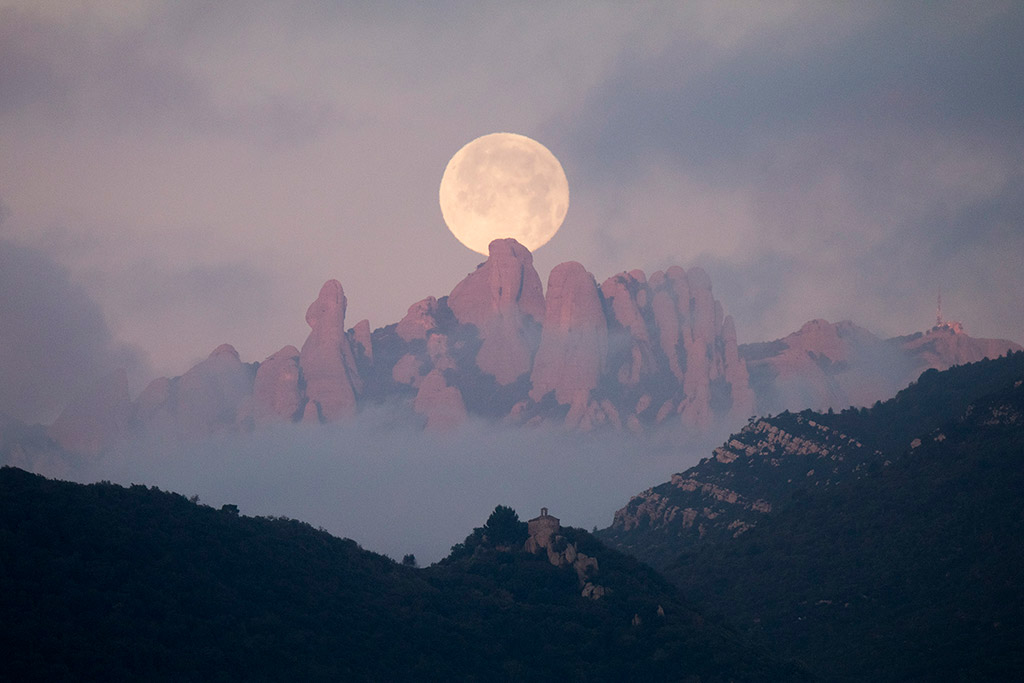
(504, 185)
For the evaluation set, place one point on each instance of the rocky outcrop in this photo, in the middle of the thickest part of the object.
(153, 407)
(277, 394)
(630, 346)
(824, 365)
(208, 395)
(672, 345)
(441, 404)
(420, 319)
(543, 536)
(362, 340)
(734, 371)
(776, 465)
(407, 370)
(326, 359)
(206, 399)
(947, 345)
(503, 299)
(574, 342)
(744, 479)
(835, 365)
(635, 353)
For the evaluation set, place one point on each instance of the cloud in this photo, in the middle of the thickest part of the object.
(870, 152)
(54, 340)
(396, 489)
(186, 312)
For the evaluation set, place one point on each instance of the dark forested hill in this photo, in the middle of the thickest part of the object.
(102, 582)
(875, 544)
(775, 460)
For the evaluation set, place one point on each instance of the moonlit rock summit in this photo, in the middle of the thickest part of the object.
(574, 343)
(276, 393)
(326, 359)
(634, 354)
(503, 298)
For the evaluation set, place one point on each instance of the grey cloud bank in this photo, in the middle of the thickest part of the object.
(398, 490)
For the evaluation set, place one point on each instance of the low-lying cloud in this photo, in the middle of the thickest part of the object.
(397, 490)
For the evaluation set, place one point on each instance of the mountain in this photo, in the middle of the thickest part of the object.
(872, 544)
(103, 582)
(836, 365)
(632, 353)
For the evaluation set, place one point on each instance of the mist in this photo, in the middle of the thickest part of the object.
(54, 338)
(397, 490)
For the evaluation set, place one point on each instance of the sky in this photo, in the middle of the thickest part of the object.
(177, 175)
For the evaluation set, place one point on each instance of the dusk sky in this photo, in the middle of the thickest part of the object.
(177, 175)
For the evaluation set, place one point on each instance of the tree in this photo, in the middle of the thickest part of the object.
(409, 560)
(504, 528)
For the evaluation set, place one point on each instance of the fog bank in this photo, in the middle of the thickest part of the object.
(397, 490)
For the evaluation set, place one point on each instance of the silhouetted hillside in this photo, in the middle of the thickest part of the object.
(107, 583)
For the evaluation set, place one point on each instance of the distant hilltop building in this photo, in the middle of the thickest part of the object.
(543, 529)
(952, 325)
(544, 536)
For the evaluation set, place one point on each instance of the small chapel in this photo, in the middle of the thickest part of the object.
(544, 528)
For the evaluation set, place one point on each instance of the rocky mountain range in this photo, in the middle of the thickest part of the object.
(836, 365)
(630, 353)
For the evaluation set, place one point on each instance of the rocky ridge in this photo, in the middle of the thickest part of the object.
(768, 461)
(835, 365)
(775, 461)
(632, 353)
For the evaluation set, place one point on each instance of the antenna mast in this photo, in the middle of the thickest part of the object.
(938, 312)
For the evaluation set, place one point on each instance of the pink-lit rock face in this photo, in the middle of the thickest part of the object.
(441, 404)
(835, 365)
(632, 354)
(812, 367)
(206, 399)
(504, 300)
(820, 366)
(420, 319)
(362, 342)
(407, 370)
(209, 395)
(671, 326)
(574, 342)
(735, 370)
(276, 396)
(438, 352)
(635, 353)
(326, 359)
